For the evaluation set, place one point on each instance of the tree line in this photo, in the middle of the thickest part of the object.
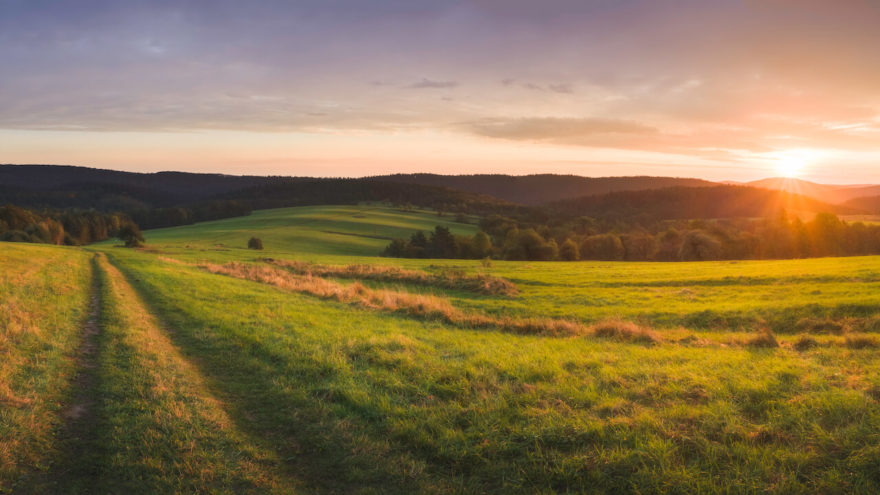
(68, 227)
(584, 238)
(156, 218)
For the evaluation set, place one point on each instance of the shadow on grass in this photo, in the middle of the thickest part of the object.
(333, 442)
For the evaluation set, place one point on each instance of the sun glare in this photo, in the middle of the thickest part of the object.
(792, 164)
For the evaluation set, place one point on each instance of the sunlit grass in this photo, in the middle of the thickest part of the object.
(359, 400)
(43, 301)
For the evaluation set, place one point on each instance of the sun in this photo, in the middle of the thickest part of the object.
(793, 163)
(790, 167)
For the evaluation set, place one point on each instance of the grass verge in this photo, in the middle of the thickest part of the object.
(44, 295)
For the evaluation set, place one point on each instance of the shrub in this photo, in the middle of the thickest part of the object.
(255, 243)
(131, 235)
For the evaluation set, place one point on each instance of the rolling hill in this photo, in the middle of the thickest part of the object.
(204, 366)
(868, 204)
(829, 193)
(49, 186)
(696, 202)
(543, 188)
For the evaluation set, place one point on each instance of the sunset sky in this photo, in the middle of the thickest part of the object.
(736, 90)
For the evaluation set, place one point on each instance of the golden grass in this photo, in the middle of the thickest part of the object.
(450, 279)
(625, 331)
(805, 343)
(417, 305)
(764, 339)
(43, 297)
(862, 342)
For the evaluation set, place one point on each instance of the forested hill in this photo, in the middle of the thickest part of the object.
(695, 203)
(830, 193)
(157, 199)
(543, 188)
(59, 186)
(870, 204)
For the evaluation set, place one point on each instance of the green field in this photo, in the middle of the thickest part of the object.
(266, 380)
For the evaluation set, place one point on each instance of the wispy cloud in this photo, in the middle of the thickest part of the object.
(555, 129)
(686, 77)
(428, 84)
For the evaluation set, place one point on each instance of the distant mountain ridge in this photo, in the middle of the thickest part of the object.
(680, 203)
(49, 186)
(62, 186)
(829, 193)
(541, 189)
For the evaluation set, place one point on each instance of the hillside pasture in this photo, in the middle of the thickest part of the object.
(315, 366)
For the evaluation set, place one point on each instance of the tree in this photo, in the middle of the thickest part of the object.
(442, 243)
(397, 249)
(603, 247)
(481, 245)
(699, 246)
(639, 246)
(131, 235)
(569, 251)
(255, 243)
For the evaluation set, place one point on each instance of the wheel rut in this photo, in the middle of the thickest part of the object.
(73, 467)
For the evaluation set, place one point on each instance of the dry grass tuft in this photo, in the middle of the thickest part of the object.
(170, 260)
(418, 305)
(625, 331)
(862, 342)
(449, 279)
(765, 339)
(823, 326)
(805, 343)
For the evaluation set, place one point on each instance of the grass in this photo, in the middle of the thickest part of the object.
(363, 401)
(323, 230)
(417, 305)
(159, 429)
(43, 301)
(680, 377)
(448, 279)
(728, 295)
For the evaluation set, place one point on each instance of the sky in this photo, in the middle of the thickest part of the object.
(722, 90)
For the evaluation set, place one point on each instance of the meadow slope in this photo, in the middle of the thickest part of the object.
(222, 370)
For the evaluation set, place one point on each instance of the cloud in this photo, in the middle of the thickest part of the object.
(428, 83)
(678, 76)
(561, 88)
(556, 129)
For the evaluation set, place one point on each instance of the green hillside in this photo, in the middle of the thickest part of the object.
(316, 366)
(314, 230)
(707, 295)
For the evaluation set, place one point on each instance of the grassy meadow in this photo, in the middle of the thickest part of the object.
(218, 370)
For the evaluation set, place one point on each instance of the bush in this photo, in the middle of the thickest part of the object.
(255, 243)
(131, 235)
